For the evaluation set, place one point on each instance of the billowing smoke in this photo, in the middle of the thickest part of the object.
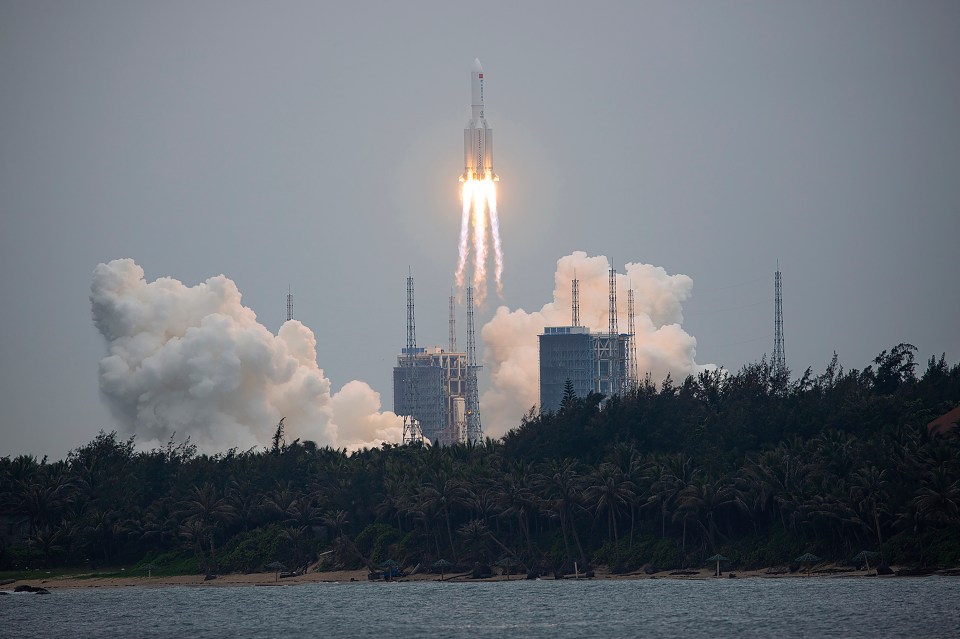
(194, 361)
(511, 343)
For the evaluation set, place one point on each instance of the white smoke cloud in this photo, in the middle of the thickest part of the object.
(512, 347)
(195, 361)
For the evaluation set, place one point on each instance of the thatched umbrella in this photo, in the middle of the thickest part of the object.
(718, 558)
(276, 566)
(807, 558)
(864, 556)
(442, 565)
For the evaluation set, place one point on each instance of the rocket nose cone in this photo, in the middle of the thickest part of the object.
(476, 66)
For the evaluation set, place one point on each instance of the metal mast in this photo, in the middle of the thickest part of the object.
(575, 307)
(632, 380)
(453, 324)
(613, 302)
(779, 359)
(474, 429)
(616, 381)
(411, 426)
(289, 304)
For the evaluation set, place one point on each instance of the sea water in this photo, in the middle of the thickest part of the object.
(804, 607)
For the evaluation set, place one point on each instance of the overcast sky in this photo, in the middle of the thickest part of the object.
(317, 145)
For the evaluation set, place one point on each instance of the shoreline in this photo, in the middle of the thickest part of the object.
(360, 576)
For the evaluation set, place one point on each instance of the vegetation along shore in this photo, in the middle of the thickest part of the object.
(847, 472)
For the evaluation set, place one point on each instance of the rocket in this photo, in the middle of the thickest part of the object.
(477, 137)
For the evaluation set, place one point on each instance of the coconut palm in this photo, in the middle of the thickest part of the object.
(204, 507)
(561, 488)
(608, 491)
(869, 490)
(442, 492)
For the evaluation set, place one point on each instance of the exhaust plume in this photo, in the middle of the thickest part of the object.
(192, 360)
(512, 347)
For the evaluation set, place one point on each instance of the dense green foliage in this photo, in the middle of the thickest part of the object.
(754, 466)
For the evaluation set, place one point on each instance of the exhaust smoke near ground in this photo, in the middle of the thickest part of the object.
(192, 360)
(512, 345)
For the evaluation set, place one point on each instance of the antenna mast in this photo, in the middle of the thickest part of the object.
(474, 429)
(289, 304)
(613, 302)
(453, 323)
(575, 307)
(779, 359)
(632, 380)
(411, 425)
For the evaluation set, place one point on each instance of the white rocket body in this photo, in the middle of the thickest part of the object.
(477, 137)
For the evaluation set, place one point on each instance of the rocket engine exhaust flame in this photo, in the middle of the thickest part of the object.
(479, 198)
(480, 203)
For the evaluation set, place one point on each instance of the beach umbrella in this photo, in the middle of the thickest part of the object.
(807, 558)
(442, 565)
(276, 566)
(718, 558)
(864, 556)
(149, 568)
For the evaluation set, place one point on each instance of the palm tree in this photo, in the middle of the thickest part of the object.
(561, 488)
(441, 492)
(938, 498)
(246, 500)
(628, 461)
(475, 536)
(610, 492)
(869, 489)
(516, 500)
(46, 540)
(707, 501)
(203, 506)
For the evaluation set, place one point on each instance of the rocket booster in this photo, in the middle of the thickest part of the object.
(477, 137)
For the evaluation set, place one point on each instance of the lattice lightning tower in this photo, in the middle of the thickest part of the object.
(453, 324)
(411, 427)
(575, 306)
(617, 383)
(289, 304)
(632, 380)
(474, 428)
(613, 302)
(779, 359)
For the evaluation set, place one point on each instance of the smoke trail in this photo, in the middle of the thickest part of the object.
(511, 344)
(464, 246)
(495, 231)
(194, 361)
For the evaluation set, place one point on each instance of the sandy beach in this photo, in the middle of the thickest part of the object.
(90, 580)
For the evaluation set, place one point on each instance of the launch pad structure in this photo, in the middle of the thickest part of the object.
(602, 363)
(435, 390)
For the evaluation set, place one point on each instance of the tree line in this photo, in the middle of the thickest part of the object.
(754, 465)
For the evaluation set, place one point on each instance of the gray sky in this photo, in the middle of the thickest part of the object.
(318, 145)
